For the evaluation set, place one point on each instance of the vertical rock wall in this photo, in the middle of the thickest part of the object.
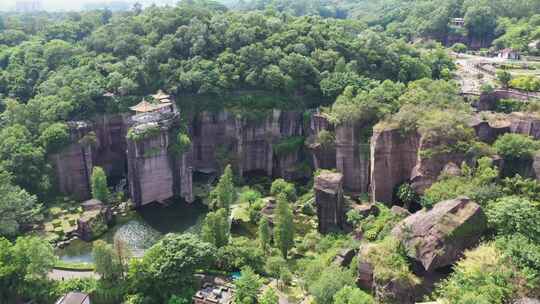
(393, 157)
(352, 158)
(322, 157)
(150, 172)
(330, 201)
(73, 165)
(247, 144)
(111, 146)
(154, 174)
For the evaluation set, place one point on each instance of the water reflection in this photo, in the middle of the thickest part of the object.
(141, 229)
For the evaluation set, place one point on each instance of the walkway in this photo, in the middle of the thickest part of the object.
(58, 275)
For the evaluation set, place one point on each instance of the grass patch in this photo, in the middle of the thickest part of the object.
(63, 265)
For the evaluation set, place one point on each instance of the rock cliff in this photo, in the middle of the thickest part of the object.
(73, 165)
(352, 158)
(154, 174)
(329, 201)
(110, 148)
(393, 157)
(220, 138)
(323, 156)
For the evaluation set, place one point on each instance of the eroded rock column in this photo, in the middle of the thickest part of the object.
(329, 200)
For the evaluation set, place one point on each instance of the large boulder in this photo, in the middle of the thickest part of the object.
(330, 201)
(94, 221)
(438, 237)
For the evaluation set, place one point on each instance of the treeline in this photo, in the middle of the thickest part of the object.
(58, 67)
(512, 23)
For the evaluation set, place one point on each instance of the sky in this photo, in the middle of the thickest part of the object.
(54, 5)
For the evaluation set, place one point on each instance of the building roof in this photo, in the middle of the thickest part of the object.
(145, 106)
(73, 298)
(162, 97)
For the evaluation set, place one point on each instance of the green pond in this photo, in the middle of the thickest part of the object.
(140, 229)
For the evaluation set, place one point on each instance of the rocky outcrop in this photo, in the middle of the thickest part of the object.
(154, 173)
(220, 138)
(323, 155)
(428, 167)
(94, 221)
(73, 164)
(393, 157)
(524, 123)
(345, 257)
(329, 201)
(352, 157)
(487, 128)
(438, 237)
(527, 301)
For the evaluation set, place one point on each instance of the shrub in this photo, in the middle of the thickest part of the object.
(483, 276)
(144, 131)
(526, 83)
(513, 214)
(516, 146)
(510, 105)
(459, 48)
(389, 262)
(289, 145)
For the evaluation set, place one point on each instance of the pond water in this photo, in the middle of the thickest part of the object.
(141, 229)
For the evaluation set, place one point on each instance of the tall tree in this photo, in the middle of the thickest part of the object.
(284, 225)
(17, 207)
(108, 263)
(223, 195)
(247, 287)
(167, 268)
(264, 233)
(216, 228)
(99, 185)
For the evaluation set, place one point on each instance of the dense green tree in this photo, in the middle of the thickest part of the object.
(508, 215)
(99, 185)
(239, 252)
(108, 263)
(352, 295)
(280, 186)
(167, 268)
(481, 22)
(55, 137)
(269, 296)
(17, 207)
(247, 287)
(264, 233)
(216, 229)
(504, 78)
(23, 159)
(284, 225)
(224, 194)
(24, 266)
(516, 146)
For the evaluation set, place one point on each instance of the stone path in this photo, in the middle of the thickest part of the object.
(59, 275)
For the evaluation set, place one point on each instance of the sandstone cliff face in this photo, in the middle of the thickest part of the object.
(526, 124)
(153, 174)
(393, 157)
(73, 165)
(322, 157)
(111, 145)
(329, 201)
(352, 158)
(247, 144)
(427, 169)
